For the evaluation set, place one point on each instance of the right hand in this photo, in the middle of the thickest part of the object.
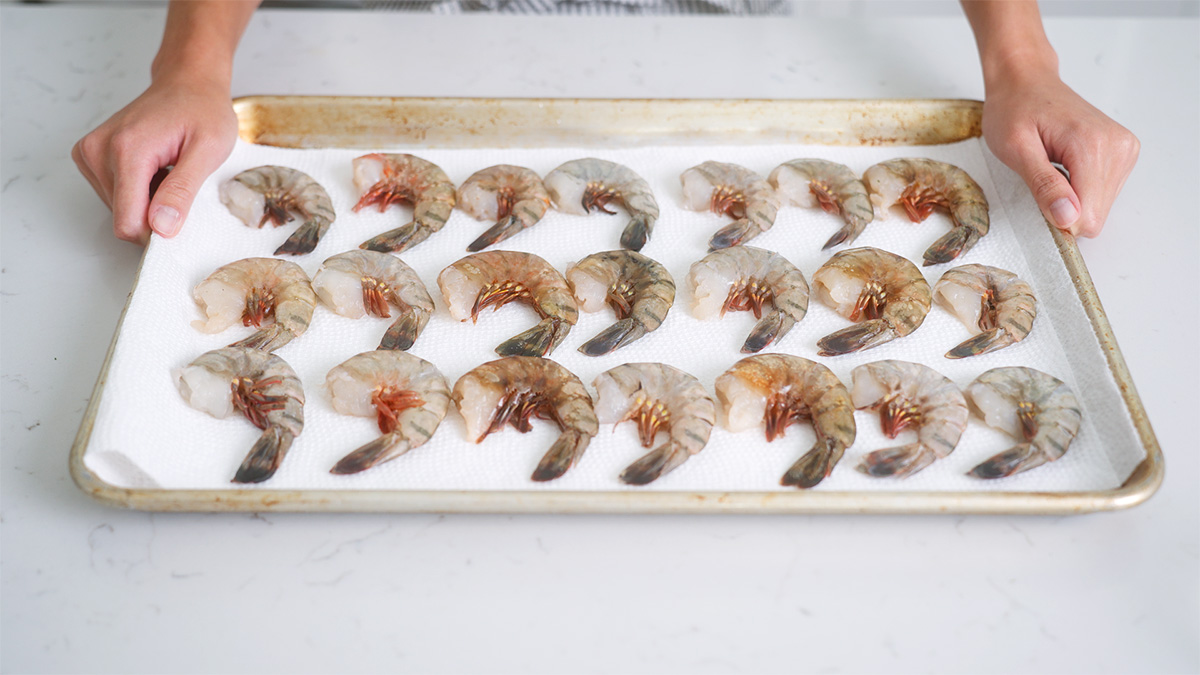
(186, 123)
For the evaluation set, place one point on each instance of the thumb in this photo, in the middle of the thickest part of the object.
(171, 202)
(1051, 189)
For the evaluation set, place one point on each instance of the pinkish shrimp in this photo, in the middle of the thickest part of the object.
(512, 197)
(274, 193)
(404, 179)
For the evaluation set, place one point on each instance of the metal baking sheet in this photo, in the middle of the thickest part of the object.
(467, 123)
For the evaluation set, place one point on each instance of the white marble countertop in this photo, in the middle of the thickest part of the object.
(87, 588)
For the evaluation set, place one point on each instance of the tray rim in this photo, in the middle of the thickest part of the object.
(1141, 484)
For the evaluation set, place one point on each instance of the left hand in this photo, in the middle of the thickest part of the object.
(1036, 119)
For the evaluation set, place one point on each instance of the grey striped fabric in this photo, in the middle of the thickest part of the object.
(586, 7)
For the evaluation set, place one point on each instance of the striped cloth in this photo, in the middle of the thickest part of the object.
(586, 7)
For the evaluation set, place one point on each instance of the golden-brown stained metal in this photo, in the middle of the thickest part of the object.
(312, 122)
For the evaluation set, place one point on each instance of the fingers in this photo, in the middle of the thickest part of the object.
(1099, 182)
(82, 162)
(173, 199)
(1054, 194)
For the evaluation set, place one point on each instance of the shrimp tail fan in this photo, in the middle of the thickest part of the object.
(265, 457)
(768, 330)
(537, 341)
(815, 465)
(637, 232)
(846, 235)
(1022, 457)
(655, 464)
(898, 462)
(561, 456)
(403, 333)
(268, 339)
(953, 244)
(378, 451)
(857, 337)
(399, 239)
(503, 229)
(614, 337)
(737, 232)
(305, 239)
(987, 341)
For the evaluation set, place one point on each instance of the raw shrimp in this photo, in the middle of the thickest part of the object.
(495, 278)
(250, 291)
(357, 282)
(743, 278)
(920, 185)
(909, 394)
(261, 386)
(513, 390)
(274, 193)
(639, 290)
(734, 191)
(511, 196)
(1029, 405)
(581, 185)
(404, 179)
(831, 186)
(406, 395)
(989, 299)
(882, 290)
(774, 390)
(658, 398)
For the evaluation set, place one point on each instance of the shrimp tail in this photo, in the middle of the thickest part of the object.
(503, 229)
(857, 337)
(770, 328)
(265, 457)
(815, 465)
(655, 464)
(403, 333)
(899, 461)
(987, 341)
(1022, 457)
(637, 232)
(953, 244)
(562, 455)
(385, 448)
(846, 235)
(399, 239)
(537, 341)
(305, 239)
(737, 232)
(614, 337)
(268, 339)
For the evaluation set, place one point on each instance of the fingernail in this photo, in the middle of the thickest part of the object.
(1063, 212)
(165, 221)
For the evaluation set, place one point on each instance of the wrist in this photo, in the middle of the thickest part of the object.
(1019, 65)
(191, 67)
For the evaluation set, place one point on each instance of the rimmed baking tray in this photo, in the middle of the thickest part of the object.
(313, 122)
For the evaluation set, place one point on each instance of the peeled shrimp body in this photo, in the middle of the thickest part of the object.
(250, 291)
(883, 291)
(516, 389)
(988, 299)
(744, 278)
(357, 283)
(496, 278)
(734, 191)
(638, 289)
(274, 193)
(831, 186)
(909, 394)
(1031, 406)
(404, 179)
(406, 395)
(259, 385)
(512, 197)
(776, 389)
(920, 186)
(581, 185)
(657, 398)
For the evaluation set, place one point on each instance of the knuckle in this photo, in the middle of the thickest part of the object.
(175, 192)
(1045, 183)
(124, 142)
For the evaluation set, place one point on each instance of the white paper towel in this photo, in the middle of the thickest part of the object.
(145, 436)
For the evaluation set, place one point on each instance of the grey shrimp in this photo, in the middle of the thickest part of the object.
(274, 193)
(883, 291)
(516, 389)
(404, 179)
(909, 394)
(1029, 405)
(512, 197)
(920, 186)
(356, 283)
(580, 185)
(734, 191)
(257, 384)
(741, 278)
(833, 187)
(656, 397)
(407, 396)
(994, 301)
(640, 291)
(776, 389)
(251, 291)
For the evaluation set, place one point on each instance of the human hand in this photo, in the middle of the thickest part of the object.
(1033, 120)
(184, 122)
